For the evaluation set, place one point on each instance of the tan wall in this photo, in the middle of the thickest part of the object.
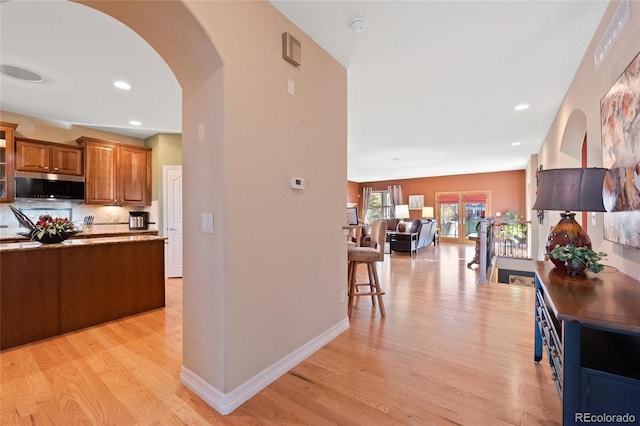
(166, 150)
(251, 288)
(561, 147)
(52, 131)
(507, 189)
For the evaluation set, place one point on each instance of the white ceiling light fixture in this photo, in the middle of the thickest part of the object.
(521, 107)
(516, 143)
(122, 85)
(20, 73)
(135, 123)
(358, 25)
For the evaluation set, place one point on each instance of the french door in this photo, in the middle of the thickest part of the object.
(459, 213)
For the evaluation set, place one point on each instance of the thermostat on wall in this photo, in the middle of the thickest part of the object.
(296, 183)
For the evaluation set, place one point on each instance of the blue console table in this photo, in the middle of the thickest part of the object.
(590, 328)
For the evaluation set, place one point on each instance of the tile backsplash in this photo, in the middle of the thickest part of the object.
(75, 211)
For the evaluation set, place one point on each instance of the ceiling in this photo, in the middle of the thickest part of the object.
(432, 85)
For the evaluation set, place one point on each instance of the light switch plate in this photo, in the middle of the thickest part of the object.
(207, 223)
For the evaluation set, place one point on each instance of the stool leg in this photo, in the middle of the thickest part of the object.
(352, 285)
(372, 288)
(378, 290)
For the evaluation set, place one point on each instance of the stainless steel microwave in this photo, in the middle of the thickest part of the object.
(45, 186)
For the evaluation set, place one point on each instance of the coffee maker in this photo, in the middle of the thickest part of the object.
(138, 221)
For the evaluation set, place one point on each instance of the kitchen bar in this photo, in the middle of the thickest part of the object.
(48, 290)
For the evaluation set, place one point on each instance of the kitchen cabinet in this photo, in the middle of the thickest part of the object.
(48, 157)
(116, 174)
(6, 160)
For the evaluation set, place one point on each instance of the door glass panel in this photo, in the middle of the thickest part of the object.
(449, 220)
(473, 214)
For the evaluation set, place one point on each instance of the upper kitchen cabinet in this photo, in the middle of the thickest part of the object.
(48, 157)
(116, 174)
(6, 161)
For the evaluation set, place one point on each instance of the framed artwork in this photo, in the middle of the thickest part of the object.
(416, 202)
(620, 124)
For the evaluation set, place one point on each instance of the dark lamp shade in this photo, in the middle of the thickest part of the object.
(570, 190)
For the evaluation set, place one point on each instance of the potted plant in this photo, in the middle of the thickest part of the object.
(577, 259)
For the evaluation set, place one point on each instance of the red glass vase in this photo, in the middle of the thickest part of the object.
(566, 232)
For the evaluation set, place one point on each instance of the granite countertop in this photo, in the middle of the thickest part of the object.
(12, 235)
(76, 242)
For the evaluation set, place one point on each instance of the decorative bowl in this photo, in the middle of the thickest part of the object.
(49, 238)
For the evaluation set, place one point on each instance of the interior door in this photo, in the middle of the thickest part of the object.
(172, 212)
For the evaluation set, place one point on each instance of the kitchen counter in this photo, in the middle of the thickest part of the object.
(52, 289)
(28, 245)
(10, 235)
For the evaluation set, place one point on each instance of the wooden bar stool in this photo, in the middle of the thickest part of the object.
(369, 256)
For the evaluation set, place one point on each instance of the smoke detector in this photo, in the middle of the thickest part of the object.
(358, 25)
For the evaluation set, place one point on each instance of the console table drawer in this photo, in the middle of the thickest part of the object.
(550, 340)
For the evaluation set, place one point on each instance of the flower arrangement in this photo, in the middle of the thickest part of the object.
(47, 230)
(53, 228)
(577, 258)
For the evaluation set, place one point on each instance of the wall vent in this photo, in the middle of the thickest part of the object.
(614, 28)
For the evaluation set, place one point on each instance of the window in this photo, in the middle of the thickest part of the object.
(379, 206)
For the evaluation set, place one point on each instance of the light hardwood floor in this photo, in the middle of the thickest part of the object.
(450, 351)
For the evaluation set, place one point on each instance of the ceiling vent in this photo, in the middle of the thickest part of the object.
(20, 73)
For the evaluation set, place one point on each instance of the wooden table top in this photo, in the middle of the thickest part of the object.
(609, 299)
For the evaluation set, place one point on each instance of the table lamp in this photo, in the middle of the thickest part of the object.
(569, 190)
(402, 212)
(427, 212)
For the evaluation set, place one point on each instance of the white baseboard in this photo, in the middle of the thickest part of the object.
(226, 403)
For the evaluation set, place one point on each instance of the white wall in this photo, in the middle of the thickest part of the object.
(561, 147)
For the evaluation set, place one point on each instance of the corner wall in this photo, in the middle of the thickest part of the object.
(261, 292)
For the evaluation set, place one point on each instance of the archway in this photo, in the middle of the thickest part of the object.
(197, 66)
(242, 328)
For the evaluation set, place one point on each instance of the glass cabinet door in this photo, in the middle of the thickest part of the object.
(3, 164)
(6, 161)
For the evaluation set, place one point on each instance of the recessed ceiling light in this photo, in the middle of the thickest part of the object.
(135, 123)
(516, 143)
(122, 85)
(521, 107)
(20, 73)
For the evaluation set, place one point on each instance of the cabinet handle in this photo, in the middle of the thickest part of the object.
(46, 167)
(55, 169)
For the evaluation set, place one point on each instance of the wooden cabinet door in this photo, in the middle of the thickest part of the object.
(6, 161)
(67, 161)
(32, 157)
(100, 176)
(29, 296)
(134, 175)
(116, 174)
